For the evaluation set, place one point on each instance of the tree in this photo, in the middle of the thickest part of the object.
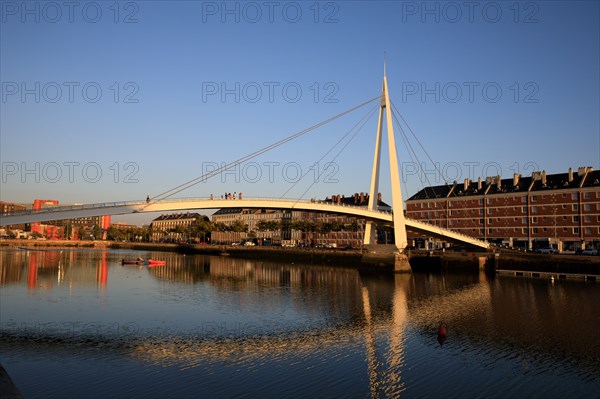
(201, 227)
(238, 226)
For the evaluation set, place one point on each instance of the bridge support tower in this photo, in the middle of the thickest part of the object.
(400, 237)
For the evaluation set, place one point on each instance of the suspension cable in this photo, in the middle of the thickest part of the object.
(190, 183)
(362, 123)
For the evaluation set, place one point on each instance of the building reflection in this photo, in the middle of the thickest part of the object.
(368, 314)
(45, 269)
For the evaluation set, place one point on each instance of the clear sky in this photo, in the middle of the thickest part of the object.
(105, 101)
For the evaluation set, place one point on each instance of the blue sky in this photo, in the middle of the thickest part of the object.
(105, 103)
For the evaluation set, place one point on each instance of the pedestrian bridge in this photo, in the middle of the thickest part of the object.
(184, 204)
(164, 202)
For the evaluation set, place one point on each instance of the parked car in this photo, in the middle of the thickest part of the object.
(546, 251)
(590, 251)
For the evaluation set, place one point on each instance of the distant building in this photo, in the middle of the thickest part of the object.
(251, 218)
(351, 235)
(93, 227)
(559, 210)
(162, 227)
(10, 207)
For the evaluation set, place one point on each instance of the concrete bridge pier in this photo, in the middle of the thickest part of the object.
(401, 264)
(387, 255)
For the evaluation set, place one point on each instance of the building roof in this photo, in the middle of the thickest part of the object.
(228, 211)
(537, 182)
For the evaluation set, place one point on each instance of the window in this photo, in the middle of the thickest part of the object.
(574, 196)
(523, 209)
(490, 211)
(575, 207)
(575, 230)
(524, 220)
(524, 199)
(534, 209)
(564, 229)
(481, 211)
(480, 221)
(564, 207)
(545, 229)
(534, 220)
(451, 213)
(488, 201)
(490, 221)
(535, 230)
(564, 218)
(576, 218)
(523, 230)
(586, 195)
(588, 231)
(588, 219)
(534, 198)
(587, 207)
(490, 231)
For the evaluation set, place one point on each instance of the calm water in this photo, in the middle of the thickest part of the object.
(78, 324)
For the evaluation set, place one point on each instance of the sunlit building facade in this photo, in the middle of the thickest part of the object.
(558, 210)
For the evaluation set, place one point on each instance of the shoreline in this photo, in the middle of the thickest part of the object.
(380, 261)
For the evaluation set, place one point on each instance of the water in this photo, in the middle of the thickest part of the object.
(75, 323)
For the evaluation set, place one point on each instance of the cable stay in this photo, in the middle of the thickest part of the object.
(357, 129)
(463, 205)
(190, 183)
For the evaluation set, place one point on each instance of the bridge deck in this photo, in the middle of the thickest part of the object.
(121, 208)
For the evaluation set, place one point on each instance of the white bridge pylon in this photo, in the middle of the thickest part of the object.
(400, 237)
(122, 208)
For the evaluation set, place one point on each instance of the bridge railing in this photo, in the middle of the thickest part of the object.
(73, 207)
(142, 203)
(274, 199)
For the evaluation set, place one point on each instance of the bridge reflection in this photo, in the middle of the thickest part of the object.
(372, 317)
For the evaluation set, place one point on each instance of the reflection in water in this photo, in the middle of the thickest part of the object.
(338, 329)
(48, 268)
(441, 334)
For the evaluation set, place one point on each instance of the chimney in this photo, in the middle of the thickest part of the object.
(466, 185)
(580, 171)
(378, 197)
(544, 177)
(516, 178)
(498, 182)
(570, 175)
(362, 197)
(479, 183)
(355, 198)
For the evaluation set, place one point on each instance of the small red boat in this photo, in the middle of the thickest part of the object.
(140, 261)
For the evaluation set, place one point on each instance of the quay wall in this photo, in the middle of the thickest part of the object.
(378, 260)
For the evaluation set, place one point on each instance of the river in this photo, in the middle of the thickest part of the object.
(77, 323)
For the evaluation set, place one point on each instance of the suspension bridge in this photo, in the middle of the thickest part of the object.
(165, 202)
